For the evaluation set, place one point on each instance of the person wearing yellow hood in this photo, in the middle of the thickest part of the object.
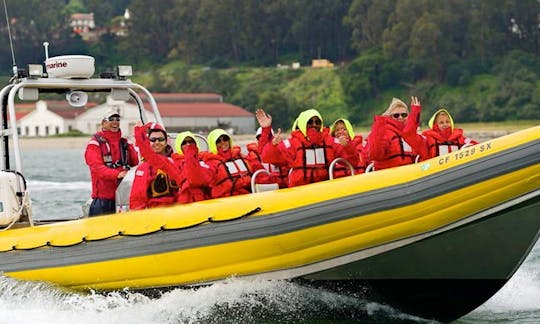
(343, 132)
(309, 150)
(232, 170)
(195, 174)
(442, 137)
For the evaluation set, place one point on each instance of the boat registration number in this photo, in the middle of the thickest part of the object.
(462, 154)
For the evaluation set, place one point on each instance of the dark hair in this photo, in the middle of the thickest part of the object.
(153, 130)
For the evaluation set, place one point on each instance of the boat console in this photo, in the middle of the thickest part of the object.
(71, 75)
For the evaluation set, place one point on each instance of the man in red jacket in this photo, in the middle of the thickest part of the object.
(109, 156)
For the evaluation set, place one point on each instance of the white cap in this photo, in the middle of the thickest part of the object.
(109, 113)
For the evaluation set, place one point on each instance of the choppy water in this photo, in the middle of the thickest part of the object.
(59, 184)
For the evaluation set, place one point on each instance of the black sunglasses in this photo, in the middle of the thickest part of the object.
(314, 122)
(113, 118)
(157, 139)
(397, 115)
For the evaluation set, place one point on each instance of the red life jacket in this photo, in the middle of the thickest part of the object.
(438, 144)
(107, 156)
(232, 173)
(278, 173)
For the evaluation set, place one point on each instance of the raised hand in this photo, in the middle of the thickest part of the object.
(343, 140)
(263, 118)
(277, 137)
(415, 101)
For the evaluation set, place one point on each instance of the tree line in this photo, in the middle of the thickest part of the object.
(380, 44)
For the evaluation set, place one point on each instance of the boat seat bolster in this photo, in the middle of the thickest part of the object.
(260, 187)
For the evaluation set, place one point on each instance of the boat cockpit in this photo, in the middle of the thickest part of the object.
(69, 75)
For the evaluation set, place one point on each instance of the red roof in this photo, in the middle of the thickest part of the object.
(68, 113)
(201, 109)
(20, 114)
(186, 97)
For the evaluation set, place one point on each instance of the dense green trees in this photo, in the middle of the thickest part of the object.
(429, 47)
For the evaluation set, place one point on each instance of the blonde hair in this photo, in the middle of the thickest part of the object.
(393, 105)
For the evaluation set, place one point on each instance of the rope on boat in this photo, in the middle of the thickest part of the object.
(251, 212)
(162, 228)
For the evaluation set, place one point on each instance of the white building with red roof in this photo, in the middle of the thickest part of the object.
(48, 118)
(197, 112)
(202, 112)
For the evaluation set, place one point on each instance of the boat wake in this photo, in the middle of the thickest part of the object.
(54, 186)
(519, 297)
(234, 301)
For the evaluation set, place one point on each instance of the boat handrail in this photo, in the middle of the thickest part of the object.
(5, 132)
(58, 84)
(202, 141)
(339, 160)
(370, 167)
(260, 187)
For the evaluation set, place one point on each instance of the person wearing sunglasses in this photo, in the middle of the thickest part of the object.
(309, 150)
(153, 185)
(343, 132)
(108, 156)
(231, 168)
(394, 139)
(442, 137)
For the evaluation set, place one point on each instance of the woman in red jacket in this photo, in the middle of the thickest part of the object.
(443, 137)
(152, 186)
(309, 151)
(343, 131)
(232, 171)
(394, 140)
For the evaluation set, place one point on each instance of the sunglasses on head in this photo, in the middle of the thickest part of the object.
(157, 139)
(397, 115)
(314, 122)
(222, 139)
(188, 141)
(113, 118)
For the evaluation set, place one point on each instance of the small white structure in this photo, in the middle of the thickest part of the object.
(198, 112)
(44, 121)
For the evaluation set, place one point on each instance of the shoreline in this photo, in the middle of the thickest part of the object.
(34, 143)
(30, 143)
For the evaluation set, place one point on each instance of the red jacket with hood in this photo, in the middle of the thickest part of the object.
(232, 172)
(279, 173)
(196, 175)
(309, 156)
(392, 143)
(152, 185)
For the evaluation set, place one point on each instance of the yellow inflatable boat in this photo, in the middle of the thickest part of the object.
(435, 239)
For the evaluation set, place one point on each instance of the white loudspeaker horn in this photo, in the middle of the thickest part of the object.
(77, 98)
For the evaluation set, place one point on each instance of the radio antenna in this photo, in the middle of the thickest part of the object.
(10, 41)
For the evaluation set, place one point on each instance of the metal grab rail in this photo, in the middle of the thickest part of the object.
(260, 187)
(203, 143)
(370, 167)
(338, 160)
